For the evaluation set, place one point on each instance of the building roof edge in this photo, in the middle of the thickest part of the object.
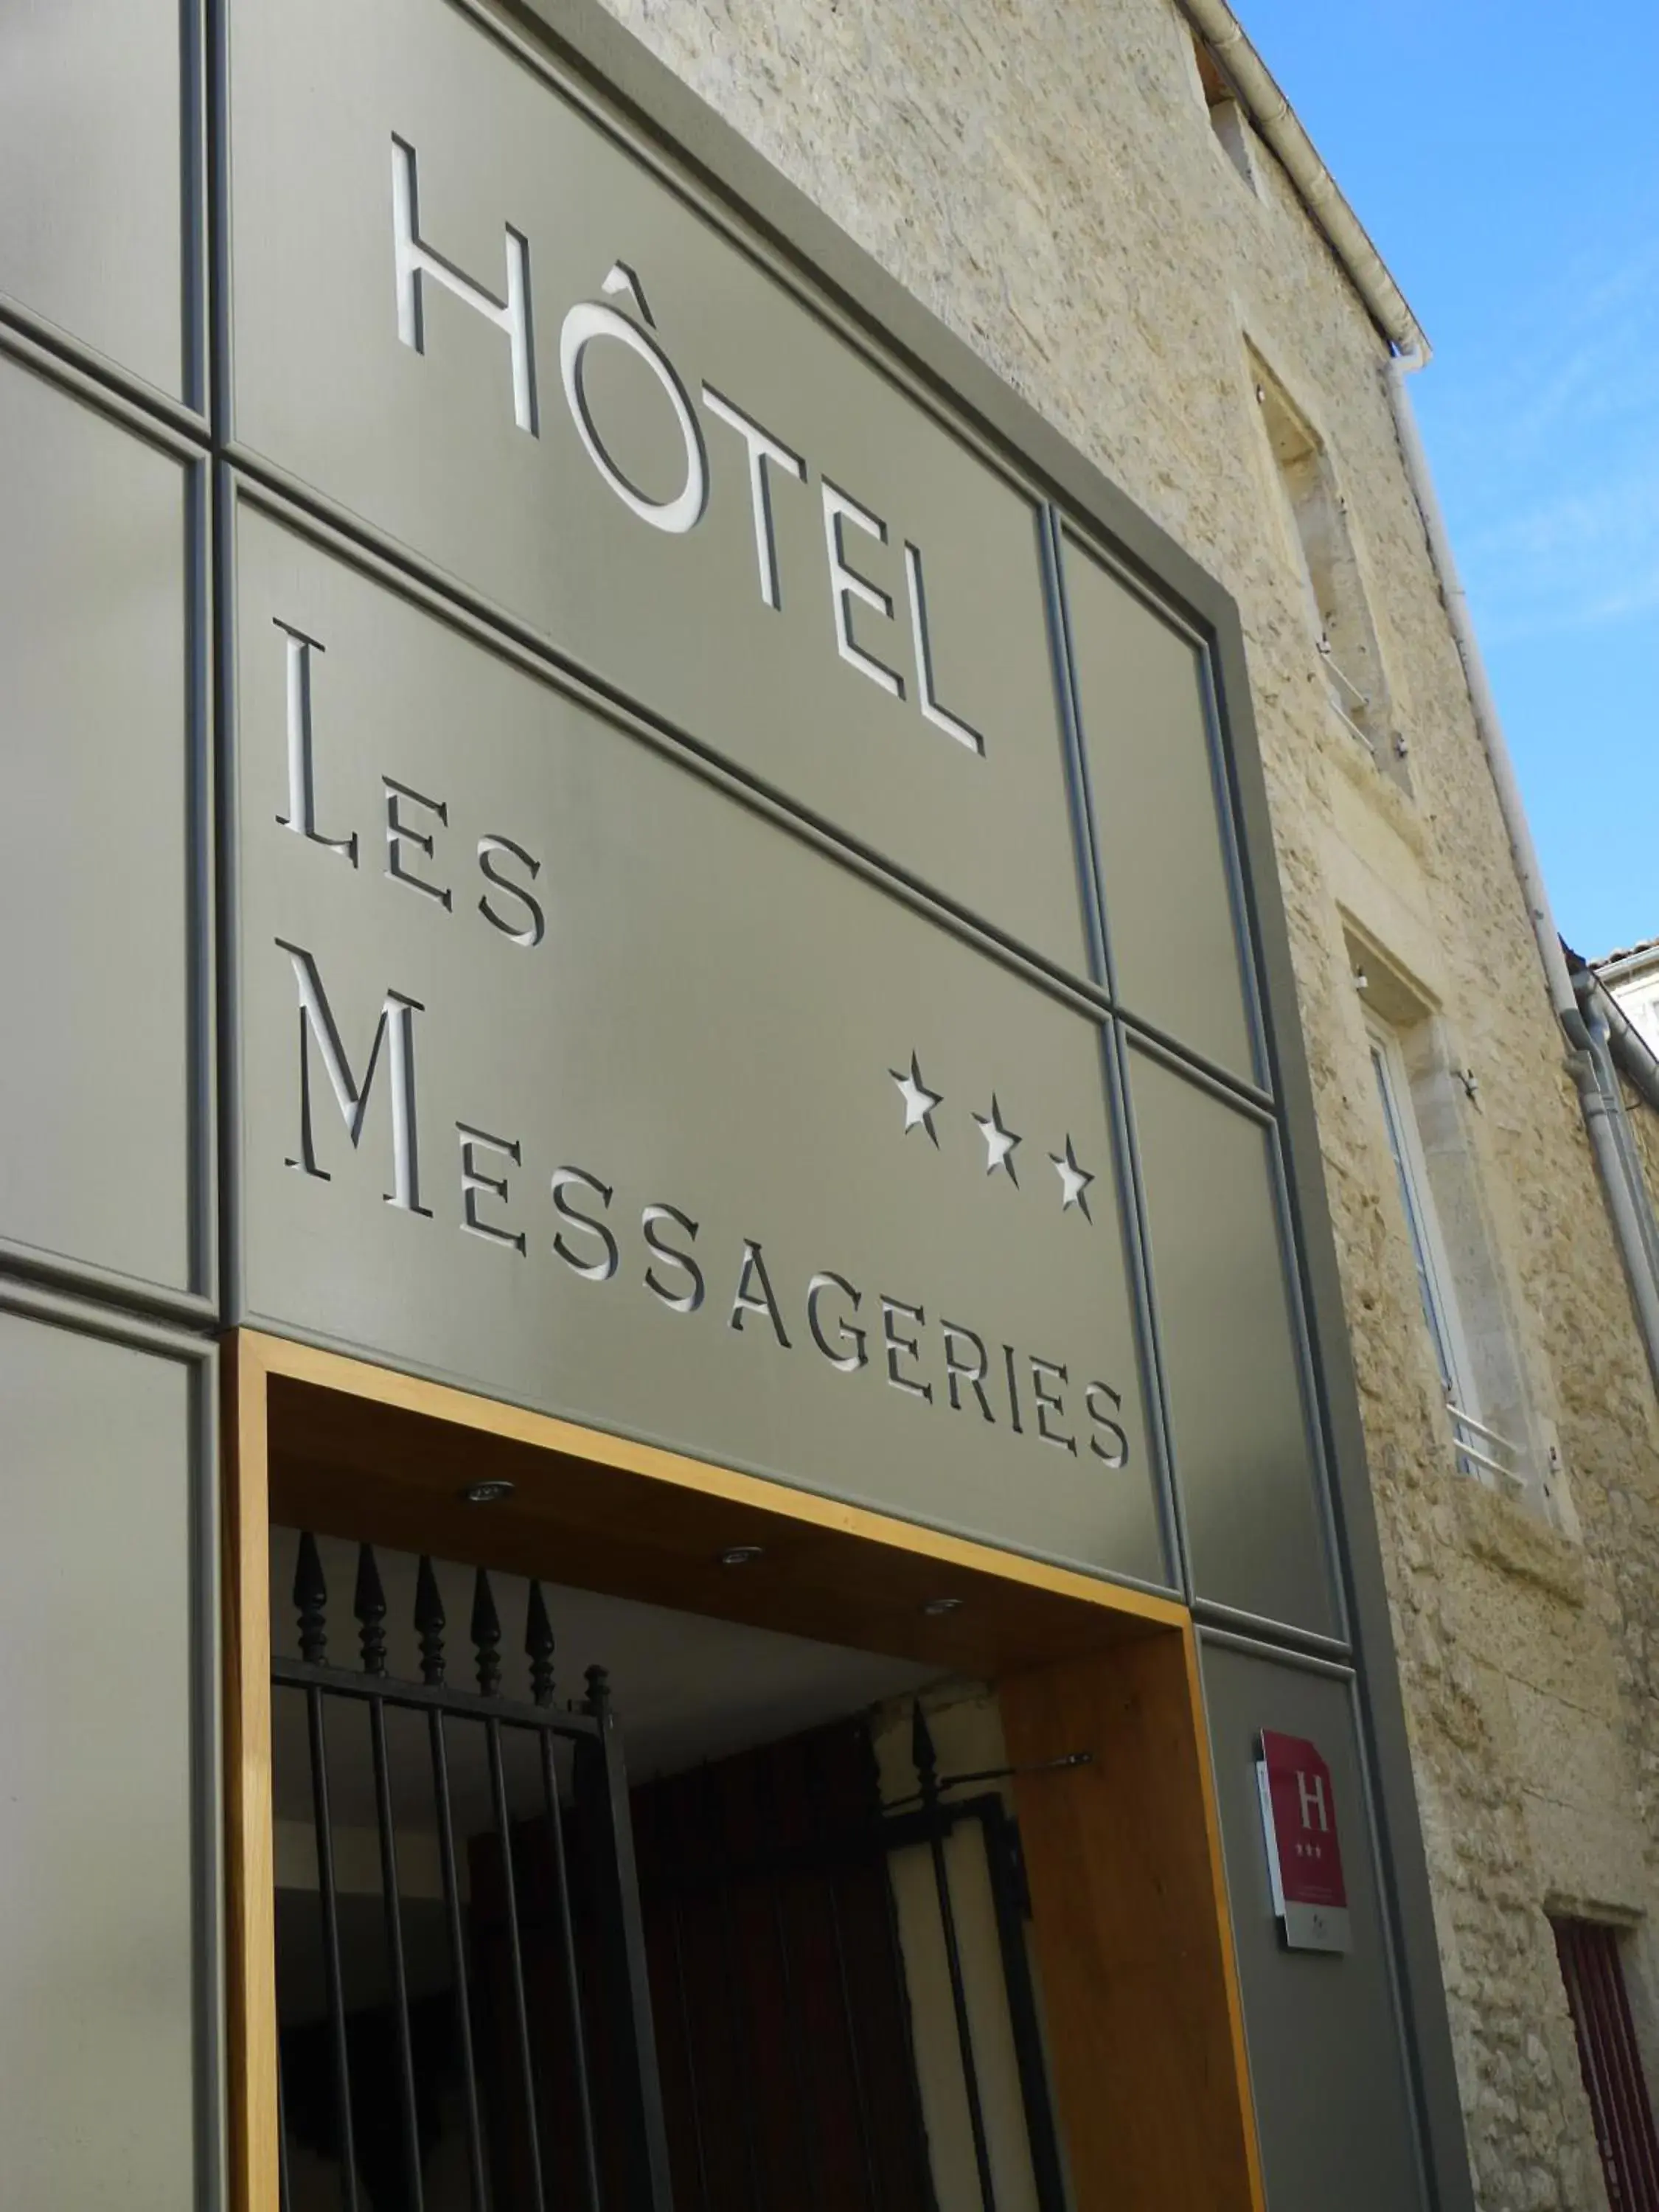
(1641, 953)
(1259, 93)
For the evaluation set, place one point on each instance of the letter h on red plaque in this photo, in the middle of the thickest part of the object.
(1304, 1857)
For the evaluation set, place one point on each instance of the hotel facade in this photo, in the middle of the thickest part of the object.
(829, 1341)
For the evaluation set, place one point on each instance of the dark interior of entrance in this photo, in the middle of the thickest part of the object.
(586, 1902)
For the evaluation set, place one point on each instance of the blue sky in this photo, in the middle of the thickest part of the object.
(1505, 159)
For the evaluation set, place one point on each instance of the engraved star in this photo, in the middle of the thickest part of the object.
(919, 1100)
(1000, 1142)
(1074, 1181)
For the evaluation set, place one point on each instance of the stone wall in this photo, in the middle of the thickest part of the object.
(1047, 181)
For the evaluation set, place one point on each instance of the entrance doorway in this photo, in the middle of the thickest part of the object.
(530, 1953)
(691, 1770)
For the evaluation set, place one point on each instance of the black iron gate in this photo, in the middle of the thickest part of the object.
(569, 2115)
(515, 2068)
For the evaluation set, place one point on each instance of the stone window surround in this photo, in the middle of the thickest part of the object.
(1443, 1092)
(1322, 552)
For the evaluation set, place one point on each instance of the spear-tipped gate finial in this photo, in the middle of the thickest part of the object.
(539, 1646)
(486, 1636)
(368, 1604)
(310, 1602)
(430, 1623)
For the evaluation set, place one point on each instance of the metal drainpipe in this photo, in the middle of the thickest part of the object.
(1634, 1056)
(1586, 1049)
(1604, 1116)
(1599, 1010)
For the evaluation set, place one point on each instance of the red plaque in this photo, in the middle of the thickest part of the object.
(1304, 1859)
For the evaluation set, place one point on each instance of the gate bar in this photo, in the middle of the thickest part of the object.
(926, 1762)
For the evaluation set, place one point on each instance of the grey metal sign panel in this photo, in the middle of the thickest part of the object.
(98, 1092)
(1144, 706)
(1245, 1469)
(463, 312)
(92, 165)
(568, 1074)
(99, 1944)
(1326, 2057)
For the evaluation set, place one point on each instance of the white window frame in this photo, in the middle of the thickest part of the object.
(1476, 1445)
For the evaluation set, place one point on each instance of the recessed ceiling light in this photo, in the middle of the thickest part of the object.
(741, 1555)
(487, 1493)
(936, 1606)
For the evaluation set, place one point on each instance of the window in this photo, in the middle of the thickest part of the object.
(1227, 119)
(1433, 1275)
(1493, 1375)
(1480, 1450)
(1343, 637)
(1611, 2063)
(1422, 1098)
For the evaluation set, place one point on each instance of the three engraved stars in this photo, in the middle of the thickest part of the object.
(1000, 1142)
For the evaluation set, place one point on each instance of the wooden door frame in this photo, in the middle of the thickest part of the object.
(1126, 1870)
